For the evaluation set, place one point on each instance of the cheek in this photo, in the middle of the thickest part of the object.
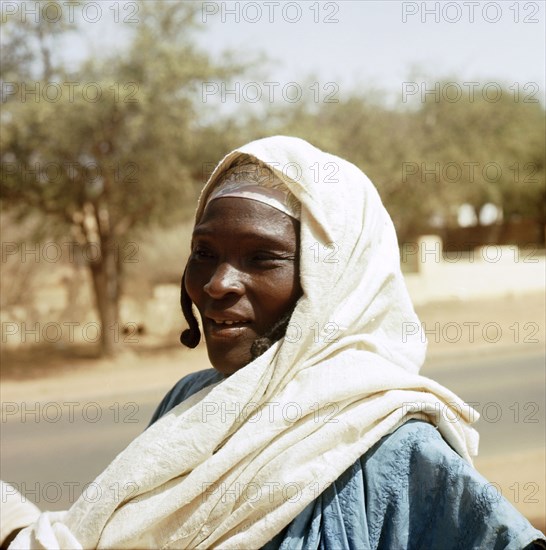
(194, 281)
(278, 294)
(289, 286)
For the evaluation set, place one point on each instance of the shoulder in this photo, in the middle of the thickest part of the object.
(184, 388)
(410, 490)
(415, 443)
(417, 482)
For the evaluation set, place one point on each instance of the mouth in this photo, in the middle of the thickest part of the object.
(227, 328)
(230, 322)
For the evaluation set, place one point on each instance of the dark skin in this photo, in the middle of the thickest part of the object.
(242, 275)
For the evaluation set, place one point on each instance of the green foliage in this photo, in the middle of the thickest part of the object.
(427, 161)
(110, 150)
(123, 141)
(136, 156)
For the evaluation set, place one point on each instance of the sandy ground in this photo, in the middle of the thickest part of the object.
(455, 330)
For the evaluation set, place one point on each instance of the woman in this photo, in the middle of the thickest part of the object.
(314, 428)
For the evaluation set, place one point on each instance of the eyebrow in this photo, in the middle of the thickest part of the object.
(266, 238)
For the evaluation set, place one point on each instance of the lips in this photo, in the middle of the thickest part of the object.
(226, 324)
(229, 322)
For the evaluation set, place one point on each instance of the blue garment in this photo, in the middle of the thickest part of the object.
(410, 490)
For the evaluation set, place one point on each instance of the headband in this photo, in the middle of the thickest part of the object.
(258, 183)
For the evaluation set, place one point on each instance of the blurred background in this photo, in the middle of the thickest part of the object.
(113, 115)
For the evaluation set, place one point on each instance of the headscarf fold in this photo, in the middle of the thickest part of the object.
(232, 465)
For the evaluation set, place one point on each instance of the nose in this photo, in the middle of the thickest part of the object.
(225, 280)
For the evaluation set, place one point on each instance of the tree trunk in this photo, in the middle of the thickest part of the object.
(106, 275)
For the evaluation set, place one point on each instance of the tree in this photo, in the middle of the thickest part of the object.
(488, 149)
(108, 150)
(429, 159)
(379, 139)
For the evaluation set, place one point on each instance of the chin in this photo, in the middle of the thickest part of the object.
(226, 366)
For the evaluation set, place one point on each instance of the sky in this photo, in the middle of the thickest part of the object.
(342, 46)
(383, 44)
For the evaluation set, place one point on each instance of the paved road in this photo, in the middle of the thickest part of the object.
(509, 392)
(51, 453)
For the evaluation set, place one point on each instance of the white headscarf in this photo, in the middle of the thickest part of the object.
(236, 462)
(256, 182)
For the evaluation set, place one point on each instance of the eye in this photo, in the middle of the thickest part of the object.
(201, 253)
(263, 257)
(267, 259)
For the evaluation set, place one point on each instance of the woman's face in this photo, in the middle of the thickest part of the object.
(242, 275)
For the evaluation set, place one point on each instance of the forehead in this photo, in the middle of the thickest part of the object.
(235, 215)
